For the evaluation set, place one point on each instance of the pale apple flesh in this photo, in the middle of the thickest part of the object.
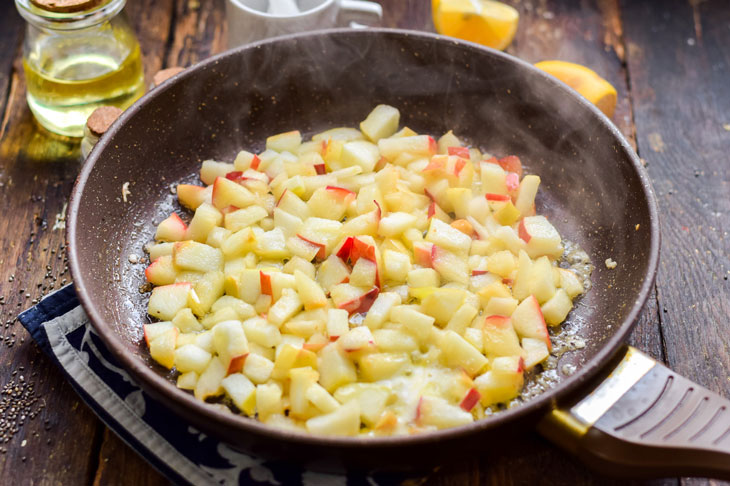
(368, 281)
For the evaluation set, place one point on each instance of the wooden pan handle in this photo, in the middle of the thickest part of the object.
(644, 420)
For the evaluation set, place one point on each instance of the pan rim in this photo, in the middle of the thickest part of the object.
(151, 379)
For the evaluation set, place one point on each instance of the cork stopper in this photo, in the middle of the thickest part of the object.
(166, 74)
(66, 6)
(101, 119)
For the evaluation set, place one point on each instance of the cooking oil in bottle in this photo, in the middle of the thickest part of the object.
(76, 61)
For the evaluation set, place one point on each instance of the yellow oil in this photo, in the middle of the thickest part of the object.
(68, 82)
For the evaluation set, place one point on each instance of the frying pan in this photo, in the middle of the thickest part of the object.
(619, 407)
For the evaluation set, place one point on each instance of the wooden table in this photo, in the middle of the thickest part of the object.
(669, 62)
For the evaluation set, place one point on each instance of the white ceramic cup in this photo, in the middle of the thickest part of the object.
(249, 21)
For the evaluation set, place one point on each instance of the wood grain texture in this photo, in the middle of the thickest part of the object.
(118, 464)
(44, 427)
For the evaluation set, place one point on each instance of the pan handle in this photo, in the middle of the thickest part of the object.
(644, 420)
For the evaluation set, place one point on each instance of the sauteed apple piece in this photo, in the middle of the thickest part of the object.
(370, 281)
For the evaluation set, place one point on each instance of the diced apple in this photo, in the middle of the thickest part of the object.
(451, 267)
(541, 237)
(364, 273)
(284, 142)
(284, 308)
(185, 321)
(502, 306)
(337, 323)
(361, 154)
(345, 420)
(353, 299)
(570, 283)
(557, 308)
(242, 218)
(209, 382)
(395, 224)
(161, 271)
(335, 368)
(162, 347)
(151, 331)
(535, 352)
(357, 339)
(331, 272)
(417, 323)
(160, 249)
(500, 338)
(191, 358)
(445, 236)
(192, 196)
(257, 368)
(470, 400)
(268, 400)
(320, 398)
(528, 321)
(419, 145)
(199, 257)
(381, 366)
(502, 382)
(394, 341)
(441, 414)
(258, 330)
(456, 351)
(228, 193)
(206, 291)
(171, 229)
(526, 194)
(462, 318)
(167, 300)
(443, 303)
(380, 123)
(187, 381)
(310, 293)
(231, 344)
(241, 392)
(493, 178)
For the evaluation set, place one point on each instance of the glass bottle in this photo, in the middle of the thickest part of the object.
(78, 55)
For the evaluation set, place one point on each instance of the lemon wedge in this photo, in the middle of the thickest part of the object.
(486, 22)
(585, 81)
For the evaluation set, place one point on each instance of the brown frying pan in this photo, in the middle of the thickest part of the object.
(620, 408)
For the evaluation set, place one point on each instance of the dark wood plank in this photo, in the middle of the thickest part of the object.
(46, 434)
(118, 464)
(679, 70)
(200, 31)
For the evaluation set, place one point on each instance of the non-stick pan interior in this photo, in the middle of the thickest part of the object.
(591, 188)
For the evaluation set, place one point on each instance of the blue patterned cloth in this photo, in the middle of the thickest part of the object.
(183, 454)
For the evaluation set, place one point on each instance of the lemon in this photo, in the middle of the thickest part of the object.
(486, 22)
(585, 81)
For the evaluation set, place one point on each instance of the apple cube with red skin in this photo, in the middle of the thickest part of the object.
(321, 248)
(330, 202)
(151, 331)
(231, 344)
(246, 160)
(167, 300)
(541, 237)
(171, 229)
(423, 253)
(441, 414)
(365, 224)
(500, 338)
(293, 204)
(353, 299)
(528, 321)
(380, 310)
(228, 193)
(535, 352)
(161, 271)
(470, 399)
(462, 152)
(525, 201)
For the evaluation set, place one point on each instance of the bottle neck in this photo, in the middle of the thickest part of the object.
(45, 19)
